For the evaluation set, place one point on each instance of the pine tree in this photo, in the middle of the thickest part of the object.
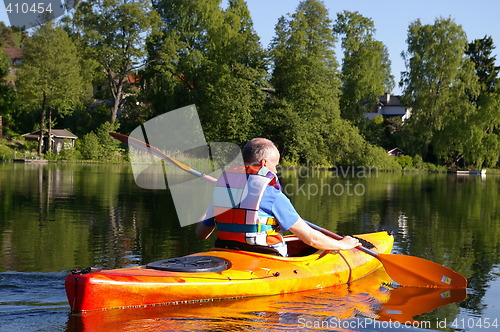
(480, 52)
(306, 81)
(211, 57)
(366, 72)
(485, 125)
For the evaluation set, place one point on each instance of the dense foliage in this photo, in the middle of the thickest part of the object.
(126, 62)
(442, 86)
(49, 80)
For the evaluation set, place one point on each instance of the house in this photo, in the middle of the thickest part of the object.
(61, 139)
(396, 152)
(15, 55)
(390, 106)
(133, 83)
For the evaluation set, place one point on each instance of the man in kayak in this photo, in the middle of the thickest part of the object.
(256, 222)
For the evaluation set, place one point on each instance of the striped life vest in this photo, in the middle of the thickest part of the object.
(237, 197)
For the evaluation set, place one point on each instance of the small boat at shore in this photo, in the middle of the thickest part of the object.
(481, 172)
(222, 274)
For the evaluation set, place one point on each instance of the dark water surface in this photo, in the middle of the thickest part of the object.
(55, 217)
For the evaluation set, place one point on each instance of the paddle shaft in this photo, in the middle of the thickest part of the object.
(154, 151)
(339, 237)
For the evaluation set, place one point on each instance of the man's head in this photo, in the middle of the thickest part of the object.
(261, 152)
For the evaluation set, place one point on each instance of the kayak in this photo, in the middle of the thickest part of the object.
(222, 274)
(263, 313)
(367, 297)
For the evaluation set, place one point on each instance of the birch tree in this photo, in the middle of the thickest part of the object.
(438, 83)
(114, 33)
(50, 76)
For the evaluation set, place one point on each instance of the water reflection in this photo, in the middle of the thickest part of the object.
(58, 217)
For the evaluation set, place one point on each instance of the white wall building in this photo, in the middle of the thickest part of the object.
(390, 106)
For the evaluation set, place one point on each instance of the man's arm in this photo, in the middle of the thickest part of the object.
(319, 240)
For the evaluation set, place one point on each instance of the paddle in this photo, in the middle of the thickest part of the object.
(405, 270)
(410, 270)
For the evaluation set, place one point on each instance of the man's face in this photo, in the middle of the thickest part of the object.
(272, 162)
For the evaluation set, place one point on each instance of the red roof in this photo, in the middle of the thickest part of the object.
(134, 79)
(13, 52)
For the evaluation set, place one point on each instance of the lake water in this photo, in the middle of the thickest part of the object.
(57, 217)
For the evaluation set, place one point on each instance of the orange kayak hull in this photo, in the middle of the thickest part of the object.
(248, 274)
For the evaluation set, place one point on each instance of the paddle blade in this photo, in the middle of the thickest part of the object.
(407, 302)
(418, 272)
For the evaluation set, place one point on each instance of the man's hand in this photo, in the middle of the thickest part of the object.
(349, 242)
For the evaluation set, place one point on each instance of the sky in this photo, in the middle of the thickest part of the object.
(391, 17)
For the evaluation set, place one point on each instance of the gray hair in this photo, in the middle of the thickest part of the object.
(258, 149)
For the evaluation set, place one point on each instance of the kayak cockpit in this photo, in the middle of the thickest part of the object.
(297, 248)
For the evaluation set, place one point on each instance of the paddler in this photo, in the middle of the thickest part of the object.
(257, 222)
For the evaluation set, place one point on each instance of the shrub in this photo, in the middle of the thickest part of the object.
(89, 147)
(375, 156)
(418, 162)
(405, 161)
(100, 146)
(6, 153)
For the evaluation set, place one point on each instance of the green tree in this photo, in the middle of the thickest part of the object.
(114, 33)
(98, 145)
(4, 65)
(7, 94)
(485, 125)
(235, 74)
(11, 36)
(49, 78)
(480, 52)
(211, 57)
(438, 81)
(306, 80)
(366, 68)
